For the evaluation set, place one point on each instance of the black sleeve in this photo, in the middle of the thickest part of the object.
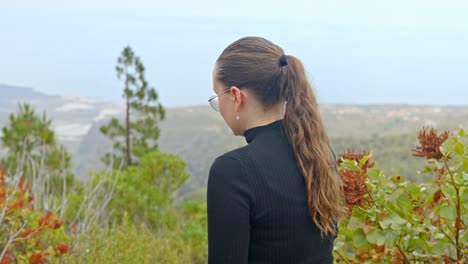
(228, 209)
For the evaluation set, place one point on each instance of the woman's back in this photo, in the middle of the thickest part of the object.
(258, 194)
(278, 199)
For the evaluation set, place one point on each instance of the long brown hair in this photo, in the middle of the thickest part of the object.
(254, 63)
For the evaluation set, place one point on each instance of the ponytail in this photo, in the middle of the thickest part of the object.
(310, 142)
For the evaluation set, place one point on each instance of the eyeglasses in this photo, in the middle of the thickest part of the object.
(214, 100)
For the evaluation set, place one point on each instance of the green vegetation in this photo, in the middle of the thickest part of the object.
(140, 131)
(144, 193)
(184, 240)
(34, 153)
(391, 153)
(149, 205)
(391, 219)
(28, 234)
(31, 134)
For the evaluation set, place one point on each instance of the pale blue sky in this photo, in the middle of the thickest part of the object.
(355, 51)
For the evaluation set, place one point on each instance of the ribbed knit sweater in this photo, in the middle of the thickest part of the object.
(257, 205)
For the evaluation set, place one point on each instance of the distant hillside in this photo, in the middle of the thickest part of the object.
(11, 93)
(72, 117)
(198, 134)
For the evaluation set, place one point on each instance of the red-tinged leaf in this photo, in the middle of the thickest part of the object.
(62, 249)
(437, 196)
(38, 258)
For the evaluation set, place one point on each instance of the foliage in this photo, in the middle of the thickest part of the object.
(28, 234)
(34, 150)
(392, 153)
(142, 209)
(145, 192)
(193, 228)
(184, 241)
(391, 219)
(130, 243)
(140, 131)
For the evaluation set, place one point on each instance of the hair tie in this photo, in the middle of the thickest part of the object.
(283, 61)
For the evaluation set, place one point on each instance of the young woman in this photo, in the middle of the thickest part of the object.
(278, 199)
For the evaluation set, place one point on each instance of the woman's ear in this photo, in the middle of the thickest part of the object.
(239, 98)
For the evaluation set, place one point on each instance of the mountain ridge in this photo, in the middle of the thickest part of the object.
(198, 134)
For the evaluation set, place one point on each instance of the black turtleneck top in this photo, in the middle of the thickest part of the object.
(257, 205)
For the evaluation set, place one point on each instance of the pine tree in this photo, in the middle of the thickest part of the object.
(139, 132)
(31, 143)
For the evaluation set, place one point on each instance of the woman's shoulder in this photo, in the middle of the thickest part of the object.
(231, 157)
(232, 161)
(240, 154)
(227, 173)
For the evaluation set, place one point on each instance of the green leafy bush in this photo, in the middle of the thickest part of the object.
(184, 242)
(129, 243)
(391, 219)
(28, 234)
(145, 192)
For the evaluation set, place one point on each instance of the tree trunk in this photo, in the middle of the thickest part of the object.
(127, 127)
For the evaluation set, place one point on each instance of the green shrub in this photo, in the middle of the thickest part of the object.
(130, 243)
(28, 234)
(391, 219)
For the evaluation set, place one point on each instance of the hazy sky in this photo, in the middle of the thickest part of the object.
(355, 51)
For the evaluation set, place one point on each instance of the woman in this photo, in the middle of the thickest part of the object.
(278, 199)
